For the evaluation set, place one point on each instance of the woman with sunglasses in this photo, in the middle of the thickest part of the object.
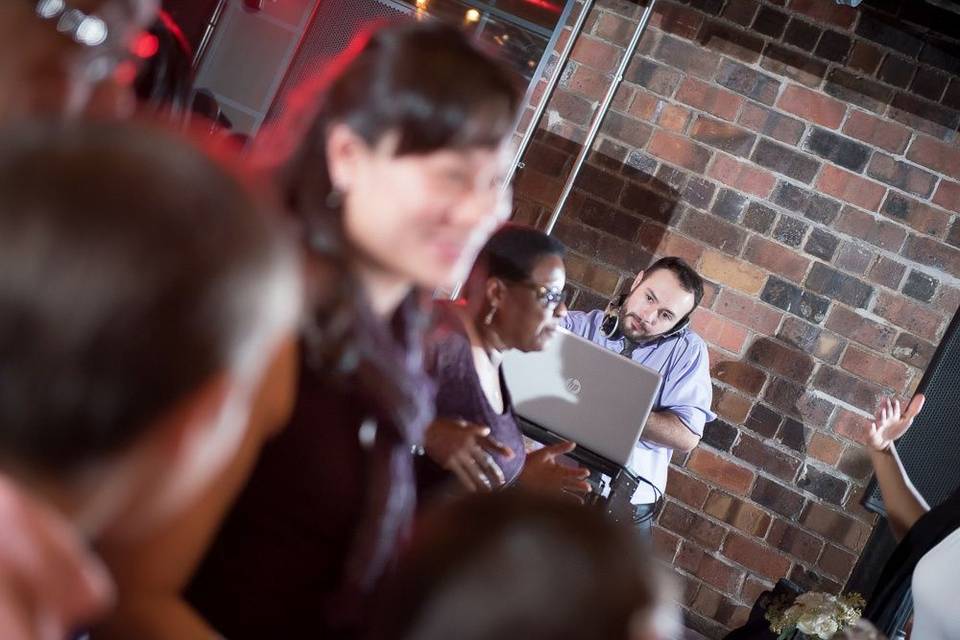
(513, 299)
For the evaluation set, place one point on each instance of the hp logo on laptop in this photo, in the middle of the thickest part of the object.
(574, 386)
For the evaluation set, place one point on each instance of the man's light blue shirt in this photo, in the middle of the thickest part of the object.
(687, 392)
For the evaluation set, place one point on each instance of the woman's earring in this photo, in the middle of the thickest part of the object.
(488, 319)
(334, 198)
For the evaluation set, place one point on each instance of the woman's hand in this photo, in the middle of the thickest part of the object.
(464, 449)
(542, 473)
(890, 424)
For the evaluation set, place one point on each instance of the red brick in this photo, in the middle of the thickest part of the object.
(850, 424)
(939, 156)
(742, 176)
(865, 57)
(736, 512)
(781, 359)
(908, 315)
(850, 389)
(813, 106)
(692, 526)
(760, 317)
(877, 132)
(677, 20)
(626, 130)
(680, 151)
(776, 258)
(686, 488)
(708, 602)
(665, 544)
(588, 82)
(586, 272)
(771, 123)
(596, 53)
(887, 272)
(687, 56)
(877, 231)
(879, 369)
(753, 588)
(722, 135)
(714, 231)
(948, 195)
(538, 187)
(719, 331)
(673, 117)
(730, 41)
(612, 27)
(723, 473)
(855, 507)
(674, 244)
(711, 570)
(920, 216)
(933, 253)
(824, 448)
(828, 12)
(851, 187)
(700, 95)
(835, 526)
(757, 557)
(794, 541)
(836, 562)
(644, 105)
(738, 374)
(947, 299)
(732, 406)
(732, 272)
(901, 175)
(878, 337)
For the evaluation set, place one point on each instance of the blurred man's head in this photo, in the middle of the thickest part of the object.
(511, 565)
(143, 291)
(55, 55)
(662, 296)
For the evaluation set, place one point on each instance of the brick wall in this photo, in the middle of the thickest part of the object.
(804, 157)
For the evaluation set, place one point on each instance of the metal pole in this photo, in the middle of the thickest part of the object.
(600, 115)
(548, 91)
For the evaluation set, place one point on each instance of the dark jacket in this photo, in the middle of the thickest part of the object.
(331, 497)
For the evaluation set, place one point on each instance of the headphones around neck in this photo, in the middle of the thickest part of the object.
(611, 327)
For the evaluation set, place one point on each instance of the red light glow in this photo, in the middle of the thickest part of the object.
(545, 4)
(145, 46)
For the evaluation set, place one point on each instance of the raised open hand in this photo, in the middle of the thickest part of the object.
(541, 472)
(464, 449)
(891, 422)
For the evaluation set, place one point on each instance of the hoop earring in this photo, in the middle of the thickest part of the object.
(488, 319)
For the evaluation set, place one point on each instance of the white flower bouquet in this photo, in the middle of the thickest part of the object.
(814, 614)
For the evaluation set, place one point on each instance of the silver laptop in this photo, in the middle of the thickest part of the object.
(583, 392)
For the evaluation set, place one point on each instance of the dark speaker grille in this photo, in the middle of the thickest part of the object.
(931, 449)
(334, 25)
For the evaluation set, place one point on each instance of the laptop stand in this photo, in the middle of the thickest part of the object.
(612, 485)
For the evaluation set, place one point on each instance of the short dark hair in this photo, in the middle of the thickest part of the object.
(513, 251)
(133, 268)
(690, 280)
(491, 565)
